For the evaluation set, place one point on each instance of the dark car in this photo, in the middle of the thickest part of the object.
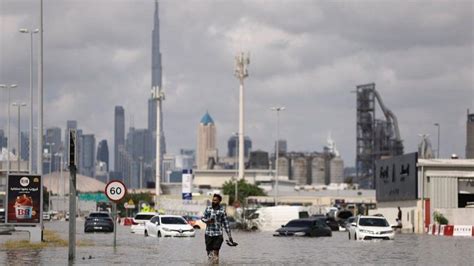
(304, 227)
(330, 221)
(99, 222)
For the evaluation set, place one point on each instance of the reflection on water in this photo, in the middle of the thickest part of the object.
(254, 248)
(23, 257)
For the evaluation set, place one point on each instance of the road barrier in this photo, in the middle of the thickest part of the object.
(450, 230)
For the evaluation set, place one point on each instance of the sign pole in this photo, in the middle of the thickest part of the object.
(114, 206)
(72, 195)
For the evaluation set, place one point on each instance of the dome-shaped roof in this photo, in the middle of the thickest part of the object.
(207, 119)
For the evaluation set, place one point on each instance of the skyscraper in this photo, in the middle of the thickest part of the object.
(206, 142)
(71, 124)
(103, 153)
(233, 145)
(3, 139)
(119, 136)
(470, 136)
(87, 155)
(156, 81)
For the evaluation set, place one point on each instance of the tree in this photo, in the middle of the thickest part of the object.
(244, 190)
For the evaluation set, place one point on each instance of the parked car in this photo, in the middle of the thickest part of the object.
(330, 221)
(195, 221)
(168, 225)
(99, 221)
(138, 222)
(46, 216)
(2, 215)
(348, 223)
(370, 227)
(305, 227)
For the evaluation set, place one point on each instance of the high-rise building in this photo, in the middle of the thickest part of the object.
(206, 142)
(119, 137)
(103, 153)
(233, 146)
(470, 136)
(156, 81)
(258, 160)
(25, 143)
(70, 124)
(87, 155)
(3, 139)
(281, 147)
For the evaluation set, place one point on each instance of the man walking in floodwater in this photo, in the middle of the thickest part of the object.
(215, 217)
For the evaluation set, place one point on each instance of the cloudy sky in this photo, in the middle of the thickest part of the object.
(305, 55)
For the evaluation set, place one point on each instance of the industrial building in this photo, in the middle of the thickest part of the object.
(376, 138)
(421, 187)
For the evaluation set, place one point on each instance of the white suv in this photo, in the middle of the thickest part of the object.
(371, 227)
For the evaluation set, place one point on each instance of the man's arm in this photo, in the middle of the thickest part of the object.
(206, 215)
(227, 227)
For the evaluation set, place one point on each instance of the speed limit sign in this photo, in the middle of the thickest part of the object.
(115, 190)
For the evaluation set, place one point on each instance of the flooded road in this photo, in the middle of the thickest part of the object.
(259, 248)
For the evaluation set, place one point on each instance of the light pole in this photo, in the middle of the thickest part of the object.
(140, 158)
(9, 87)
(30, 150)
(241, 72)
(50, 151)
(18, 155)
(438, 126)
(277, 149)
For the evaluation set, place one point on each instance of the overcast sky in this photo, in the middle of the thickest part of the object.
(305, 55)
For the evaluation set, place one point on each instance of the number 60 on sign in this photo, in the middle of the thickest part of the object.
(115, 190)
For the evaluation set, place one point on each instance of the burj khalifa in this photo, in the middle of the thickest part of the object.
(157, 95)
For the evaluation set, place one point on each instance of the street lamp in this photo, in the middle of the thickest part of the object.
(8, 126)
(19, 105)
(30, 152)
(277, 110)
(50, 151)
(438, 126)
(236, 151)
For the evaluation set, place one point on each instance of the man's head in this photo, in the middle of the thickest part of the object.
(216, 200)
(398, 207)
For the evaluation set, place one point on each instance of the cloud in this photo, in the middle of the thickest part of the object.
(305, 55)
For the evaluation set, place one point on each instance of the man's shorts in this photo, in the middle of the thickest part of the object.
(213, 242)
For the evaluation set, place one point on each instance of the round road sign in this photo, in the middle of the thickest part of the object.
(115, 190)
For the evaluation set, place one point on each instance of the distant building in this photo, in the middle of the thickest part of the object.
(87, 155)
(259, 160)
(25, 146)
(470, 136)
(52, 140)
(119, 136)
(282, 146)
(206, 143)
(169, 165)
(233, 146)
(103, 153)
(3, 139)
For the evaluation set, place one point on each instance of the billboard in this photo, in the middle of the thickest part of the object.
(187, 183)
(24, 199)
(396, 178)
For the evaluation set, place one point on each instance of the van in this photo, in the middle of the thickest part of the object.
(272, 218)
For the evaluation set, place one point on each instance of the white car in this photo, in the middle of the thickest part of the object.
(138, 222)
(168, 225)
(371, 227)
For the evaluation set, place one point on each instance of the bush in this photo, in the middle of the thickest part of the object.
(439, 218)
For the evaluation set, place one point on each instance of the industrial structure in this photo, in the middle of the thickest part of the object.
(470, 136)
(376, 138)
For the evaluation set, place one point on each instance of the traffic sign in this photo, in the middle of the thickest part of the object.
(115, 190)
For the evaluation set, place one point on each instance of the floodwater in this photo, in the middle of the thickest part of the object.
(256, 248)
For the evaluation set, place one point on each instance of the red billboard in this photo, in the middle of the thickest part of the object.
(24, 198)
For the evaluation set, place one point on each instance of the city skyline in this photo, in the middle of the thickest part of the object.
(419, 55)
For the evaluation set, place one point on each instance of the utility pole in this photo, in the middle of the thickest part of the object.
(241, 72)
(40, 96)
(158, 95)
(72, 194)
(277, 150)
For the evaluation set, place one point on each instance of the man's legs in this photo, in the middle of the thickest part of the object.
(213, 256)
